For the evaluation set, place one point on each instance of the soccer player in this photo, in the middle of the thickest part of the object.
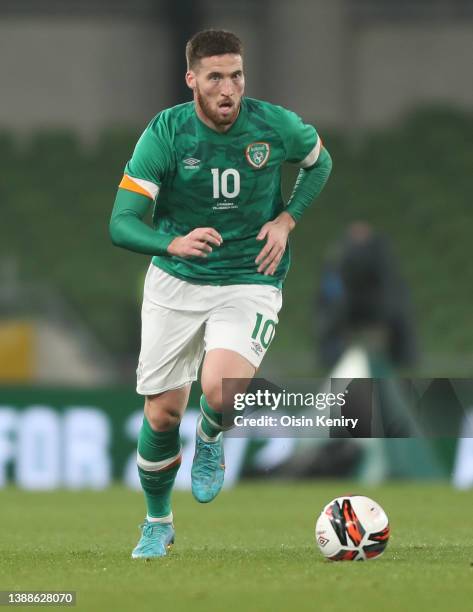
(212, 170)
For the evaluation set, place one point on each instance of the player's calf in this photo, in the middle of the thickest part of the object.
(208, 467)
(158, 459)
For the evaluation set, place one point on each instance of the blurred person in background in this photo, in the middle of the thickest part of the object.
(362, 299)
(364, 333)
(364, 330)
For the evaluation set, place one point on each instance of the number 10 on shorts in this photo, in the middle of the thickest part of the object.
(264, 330)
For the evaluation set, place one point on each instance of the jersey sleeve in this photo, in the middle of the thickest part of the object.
(301, 140)
(150, 161)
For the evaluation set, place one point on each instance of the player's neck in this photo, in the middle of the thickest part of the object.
(222, 129)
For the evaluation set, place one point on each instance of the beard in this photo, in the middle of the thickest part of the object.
(212, 114)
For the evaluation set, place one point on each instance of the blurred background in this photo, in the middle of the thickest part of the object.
(382, 278)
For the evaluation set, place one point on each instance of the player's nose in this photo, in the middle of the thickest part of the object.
(227, 88)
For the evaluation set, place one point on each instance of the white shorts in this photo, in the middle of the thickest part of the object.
(181, 321)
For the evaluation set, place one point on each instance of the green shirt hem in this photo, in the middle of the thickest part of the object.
(240, 279)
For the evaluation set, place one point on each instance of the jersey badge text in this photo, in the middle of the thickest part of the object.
(257, 154)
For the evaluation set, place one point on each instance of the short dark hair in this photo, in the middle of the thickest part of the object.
(211, 42)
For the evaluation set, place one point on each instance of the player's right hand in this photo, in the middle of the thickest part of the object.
(196, 243)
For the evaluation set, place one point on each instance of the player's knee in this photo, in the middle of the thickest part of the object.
(162, 420)
(161, 417)
(221, 400)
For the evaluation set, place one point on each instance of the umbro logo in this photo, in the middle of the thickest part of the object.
(191, 163)
(256, 347)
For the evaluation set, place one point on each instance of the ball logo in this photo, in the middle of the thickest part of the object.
(257, 154)
(322, 541)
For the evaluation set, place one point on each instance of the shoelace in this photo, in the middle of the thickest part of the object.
(214, 455)
(151, 529)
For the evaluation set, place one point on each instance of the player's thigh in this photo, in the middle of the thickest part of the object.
(238, 334)
(172, 346)
(245, 321)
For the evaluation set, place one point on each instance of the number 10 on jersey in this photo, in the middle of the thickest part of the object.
(222, 185)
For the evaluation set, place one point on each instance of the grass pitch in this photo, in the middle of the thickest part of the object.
(252, 549)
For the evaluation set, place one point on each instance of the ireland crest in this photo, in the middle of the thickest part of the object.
(257, 154)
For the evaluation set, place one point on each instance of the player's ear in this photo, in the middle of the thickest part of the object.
(190, 79)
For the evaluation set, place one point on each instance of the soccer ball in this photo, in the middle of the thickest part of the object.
(352, 528)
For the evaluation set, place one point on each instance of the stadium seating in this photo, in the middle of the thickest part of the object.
(409, 181)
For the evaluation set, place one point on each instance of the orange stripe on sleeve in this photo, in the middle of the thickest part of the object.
(128, 183)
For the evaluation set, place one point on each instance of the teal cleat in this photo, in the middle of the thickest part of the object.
(156, 539)
(208, 469)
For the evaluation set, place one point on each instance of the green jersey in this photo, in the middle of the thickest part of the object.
(230, 181)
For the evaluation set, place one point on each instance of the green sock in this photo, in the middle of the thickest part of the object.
(159, 457)
(211, 422)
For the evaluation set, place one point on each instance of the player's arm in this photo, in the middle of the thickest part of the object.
(129, 230)
(138, 190)
(309, 184)
(304, 147)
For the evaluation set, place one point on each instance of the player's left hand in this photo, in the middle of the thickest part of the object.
(276, 233)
